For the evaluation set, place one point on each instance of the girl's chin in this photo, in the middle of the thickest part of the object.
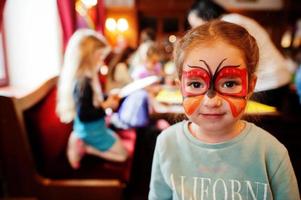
(212, 125)
(212, 117)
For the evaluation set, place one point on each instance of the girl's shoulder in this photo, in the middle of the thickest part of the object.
(170, 138)
(264, 139)
(171, 131)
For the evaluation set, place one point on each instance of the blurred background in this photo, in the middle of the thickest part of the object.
(34, 34)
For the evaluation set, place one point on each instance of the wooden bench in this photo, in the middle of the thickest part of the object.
(33, 153)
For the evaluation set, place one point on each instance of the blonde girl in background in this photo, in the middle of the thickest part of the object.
(80, 100)
(215, 154)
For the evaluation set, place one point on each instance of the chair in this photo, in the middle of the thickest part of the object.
(33, 158)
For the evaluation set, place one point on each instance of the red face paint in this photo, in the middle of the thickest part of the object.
(195, 76)
(235, 76)
(230, 83)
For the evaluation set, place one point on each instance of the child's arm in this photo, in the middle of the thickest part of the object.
(284, 184)
(111, 102)
(98, 101)
(159, 190)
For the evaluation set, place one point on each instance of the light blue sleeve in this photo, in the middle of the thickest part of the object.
(284, 183)
(159, 189)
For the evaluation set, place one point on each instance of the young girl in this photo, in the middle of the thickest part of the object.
(215, 154)
(80, 100)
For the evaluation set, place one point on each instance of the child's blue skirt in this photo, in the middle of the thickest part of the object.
(94, 133)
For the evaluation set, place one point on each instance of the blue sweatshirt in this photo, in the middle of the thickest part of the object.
(253, 165)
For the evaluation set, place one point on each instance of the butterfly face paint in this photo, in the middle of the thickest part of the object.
(229, 82)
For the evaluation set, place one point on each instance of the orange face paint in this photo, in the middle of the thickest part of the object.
(190, 104)
(237, 105)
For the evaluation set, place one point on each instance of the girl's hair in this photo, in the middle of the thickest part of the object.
(79, 58)
(147, 34)
(218, 31)
(207, 9)
(153, 50)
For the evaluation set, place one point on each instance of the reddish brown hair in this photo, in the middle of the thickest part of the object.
(217, 30)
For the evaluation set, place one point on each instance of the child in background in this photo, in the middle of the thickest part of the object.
(80, 99)
(215, 154)
(147, 38)
(151, 65)
(136, 108)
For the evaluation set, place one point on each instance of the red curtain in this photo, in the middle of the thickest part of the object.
(2, 2)
(100, 16)
(67, 14)
(5, 79)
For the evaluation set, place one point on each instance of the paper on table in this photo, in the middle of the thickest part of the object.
(254, 107)
(137, 85)
(170, 96)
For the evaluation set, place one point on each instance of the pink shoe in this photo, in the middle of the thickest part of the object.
(75, 150)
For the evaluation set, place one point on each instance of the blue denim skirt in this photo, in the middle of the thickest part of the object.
(95, 133)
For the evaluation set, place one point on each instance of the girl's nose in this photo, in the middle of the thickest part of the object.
(215, 101)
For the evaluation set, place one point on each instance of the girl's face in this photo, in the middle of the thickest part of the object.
(214, 85)
(152, 61)
(99, 57)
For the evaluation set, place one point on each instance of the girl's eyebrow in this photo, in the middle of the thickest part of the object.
(230, 66)
(198, 66)
(219, 67)
(195, 66)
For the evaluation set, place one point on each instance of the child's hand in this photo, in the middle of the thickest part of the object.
(154, 89)
(112, 101)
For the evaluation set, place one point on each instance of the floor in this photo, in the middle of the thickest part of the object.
(139, 184)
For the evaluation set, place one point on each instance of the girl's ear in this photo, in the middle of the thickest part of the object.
(252, 84)
(177, 82)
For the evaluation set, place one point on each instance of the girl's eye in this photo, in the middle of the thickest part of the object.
(196, 84)
(230, 84)
(195, 87)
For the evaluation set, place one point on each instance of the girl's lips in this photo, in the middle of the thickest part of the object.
(212, 115)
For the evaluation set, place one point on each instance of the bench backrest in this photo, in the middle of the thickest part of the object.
(33, 152)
